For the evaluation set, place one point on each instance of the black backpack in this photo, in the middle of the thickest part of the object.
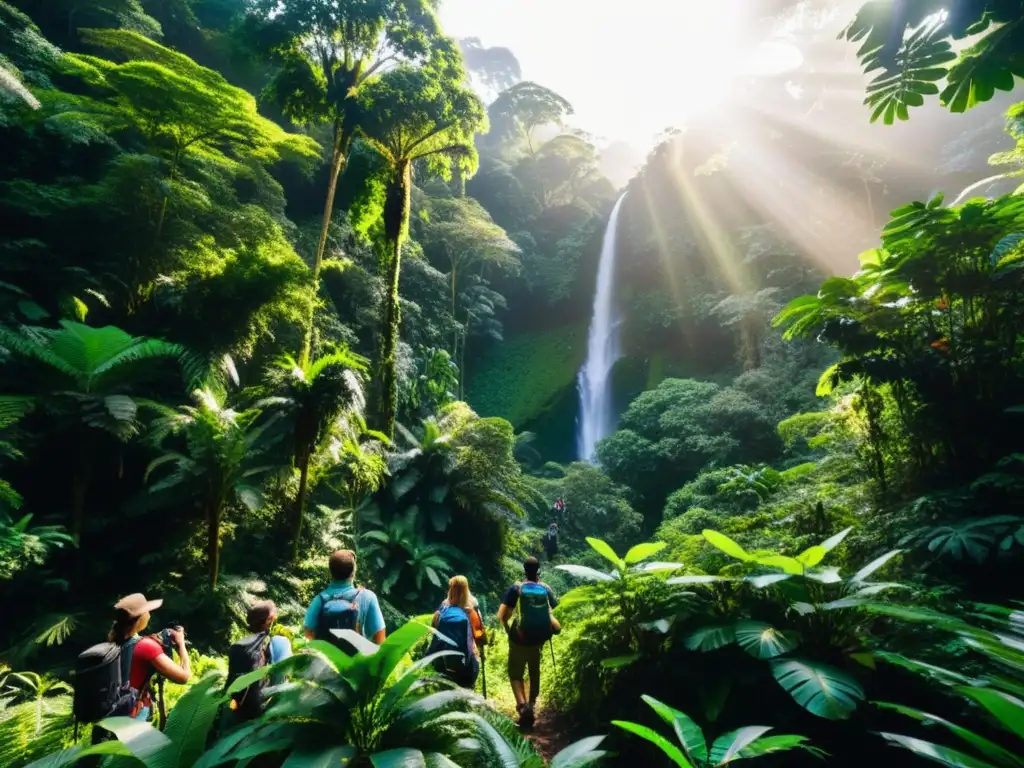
(247, 654)
(100, 683)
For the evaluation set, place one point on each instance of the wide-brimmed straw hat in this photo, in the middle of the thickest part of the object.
(136, 604)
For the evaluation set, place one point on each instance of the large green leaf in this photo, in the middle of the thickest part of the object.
(580, 754)
(687, 732)
(1007, 709)
(729, 745)
(780, 743)
(788, 565)
(819, 688)
(604, 550)
(935, 752)
(189, 723)
(711, 638)
(814, 555)
(583, 572)
(860, 576)
(143, 740)
(72, 755)
(988, 748)
(725, 544)
(643, 551)
(671, 750)
(763, 641)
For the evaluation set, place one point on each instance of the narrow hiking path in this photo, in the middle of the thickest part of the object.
(550, 734)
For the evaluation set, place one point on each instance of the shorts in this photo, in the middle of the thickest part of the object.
(521, 656)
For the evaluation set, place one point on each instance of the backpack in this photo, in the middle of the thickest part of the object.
(247, 654)
(100, 684)
(454, 623)
(534, 620)
(337, 612)
(551, 541)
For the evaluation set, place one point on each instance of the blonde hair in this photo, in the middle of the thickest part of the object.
(458, 592)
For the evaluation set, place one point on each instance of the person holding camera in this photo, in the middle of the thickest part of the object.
(150, 655)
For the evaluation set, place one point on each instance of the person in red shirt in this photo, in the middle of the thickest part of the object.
(148, 654)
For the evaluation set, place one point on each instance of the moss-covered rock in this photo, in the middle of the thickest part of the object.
(522, 378)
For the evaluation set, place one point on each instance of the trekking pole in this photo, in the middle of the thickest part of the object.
(551, 643)
(483, 647)
(160, 702)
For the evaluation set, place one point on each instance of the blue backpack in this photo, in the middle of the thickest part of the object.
(454, 624)
(338, 612)
(534, 620)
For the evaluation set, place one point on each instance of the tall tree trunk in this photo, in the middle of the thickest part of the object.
(300, 506)
(339, 151)
(213, 514)
(455, 331)
(396, 224)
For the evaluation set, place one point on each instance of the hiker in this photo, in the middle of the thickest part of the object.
(114, 678)
(253, 652)
(458, 619)
(344, 606)
(551, 541)
(533, 625)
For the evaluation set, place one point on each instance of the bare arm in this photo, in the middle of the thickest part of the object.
(176, 673)
(378, 636)
(504, 615)
(309, 633)
(437, 617)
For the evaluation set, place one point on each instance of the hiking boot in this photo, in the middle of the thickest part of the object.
(525, 716)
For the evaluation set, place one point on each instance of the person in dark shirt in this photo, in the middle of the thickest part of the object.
(524, 650)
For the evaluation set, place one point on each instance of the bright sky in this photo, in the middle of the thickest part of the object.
(631, 68)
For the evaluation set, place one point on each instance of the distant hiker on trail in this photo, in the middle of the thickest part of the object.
(343, 605)
(551, 541)
(559, 506)
(114, 678)
(458, 619)
(532, 626)
(253, 652)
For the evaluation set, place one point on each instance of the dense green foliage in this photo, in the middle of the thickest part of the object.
(280, 278)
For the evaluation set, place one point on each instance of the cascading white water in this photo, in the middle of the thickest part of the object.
(595, 420)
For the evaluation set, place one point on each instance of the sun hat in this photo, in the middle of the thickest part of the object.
(136, 604)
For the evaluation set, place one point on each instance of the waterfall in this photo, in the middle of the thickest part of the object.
(594, 382)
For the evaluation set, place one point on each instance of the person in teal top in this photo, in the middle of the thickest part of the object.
(343, 572)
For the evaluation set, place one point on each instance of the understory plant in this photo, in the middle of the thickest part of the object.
(810, 607)
(693, 751)
(993, 734)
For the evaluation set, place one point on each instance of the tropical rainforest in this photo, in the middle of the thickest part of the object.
(282, 277)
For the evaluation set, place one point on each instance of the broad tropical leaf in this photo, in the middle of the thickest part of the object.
(687, 732)
(602, 548)
(580, 754)
(727, 545)
(935, 752)
(711, 638)
(988, 748)
(643, 551)
(730, 746)
(820, 689)
(671, 750)
(763, 641)
(583, 572)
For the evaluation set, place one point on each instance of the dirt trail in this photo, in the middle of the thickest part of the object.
(550, 734)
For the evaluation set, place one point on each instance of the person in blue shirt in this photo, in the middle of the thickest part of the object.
(343, 572)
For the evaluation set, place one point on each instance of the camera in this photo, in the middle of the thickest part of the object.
(166, 638)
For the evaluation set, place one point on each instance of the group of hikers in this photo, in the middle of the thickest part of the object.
(124, 676)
